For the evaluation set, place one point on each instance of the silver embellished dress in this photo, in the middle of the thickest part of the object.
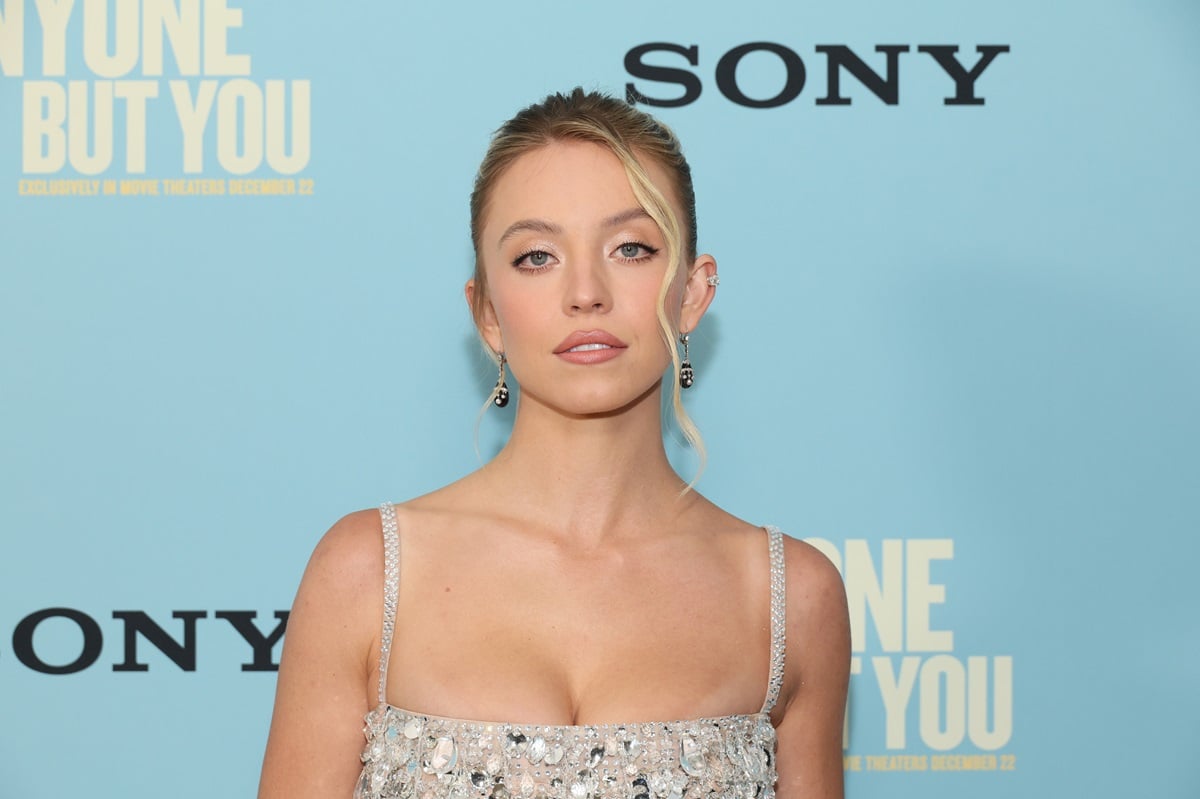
(418, 756)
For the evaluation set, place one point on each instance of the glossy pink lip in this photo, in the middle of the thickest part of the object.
(590, 346)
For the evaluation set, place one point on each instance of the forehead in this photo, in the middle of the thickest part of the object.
(567, 182)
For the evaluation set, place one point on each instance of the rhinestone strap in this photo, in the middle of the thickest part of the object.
(391, 589)
(778, 618)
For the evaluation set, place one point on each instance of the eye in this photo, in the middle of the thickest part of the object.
(635, 251)
(533, 260)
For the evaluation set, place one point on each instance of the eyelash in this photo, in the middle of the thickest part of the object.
(648, 253)
(517, 262)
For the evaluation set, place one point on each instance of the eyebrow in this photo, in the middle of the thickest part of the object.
(529, 226)
(549, 228)
(637, 212)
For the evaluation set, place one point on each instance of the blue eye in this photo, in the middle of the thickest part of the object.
(635, 251)
(533, 260)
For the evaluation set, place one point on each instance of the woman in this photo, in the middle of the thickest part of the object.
(615, 633)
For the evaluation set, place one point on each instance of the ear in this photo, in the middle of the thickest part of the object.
(697, 293)
(485, 318)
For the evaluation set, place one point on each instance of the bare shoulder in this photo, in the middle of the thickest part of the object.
(340, 596)
(814, 586)
(818, 625)
(349, 557)
(322, 691)
(812, 704)
(346, 562)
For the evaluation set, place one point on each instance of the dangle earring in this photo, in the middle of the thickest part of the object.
(500, 392)
(686, 375)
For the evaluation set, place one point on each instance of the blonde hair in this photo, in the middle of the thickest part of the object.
(628, 133)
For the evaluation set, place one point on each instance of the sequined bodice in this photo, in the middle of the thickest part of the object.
(410, 755)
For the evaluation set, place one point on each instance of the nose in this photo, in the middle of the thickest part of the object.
(586, 289)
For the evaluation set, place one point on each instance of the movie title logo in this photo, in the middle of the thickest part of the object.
(942, 710)
(670, 75)
(110, 86)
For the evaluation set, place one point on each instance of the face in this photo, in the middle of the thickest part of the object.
(574, 267)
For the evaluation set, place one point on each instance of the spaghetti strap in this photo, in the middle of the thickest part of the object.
(778, 618)
(391, 590)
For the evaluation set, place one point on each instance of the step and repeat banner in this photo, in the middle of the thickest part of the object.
(955, 346)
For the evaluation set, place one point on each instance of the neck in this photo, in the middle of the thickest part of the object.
(592, 477)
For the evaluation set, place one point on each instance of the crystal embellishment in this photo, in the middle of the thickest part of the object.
(444, 755)
(537, 750)
(514, 744)
(727, 756)
(691, 756)
(391, 590)
(778, 618)
(412, 728)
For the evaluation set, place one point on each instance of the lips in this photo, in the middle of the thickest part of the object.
(589, 341)
(590, 346)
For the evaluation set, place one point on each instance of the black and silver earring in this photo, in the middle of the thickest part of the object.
(686, 375)
(500, 392)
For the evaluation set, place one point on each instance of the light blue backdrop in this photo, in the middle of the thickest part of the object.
(958, 345)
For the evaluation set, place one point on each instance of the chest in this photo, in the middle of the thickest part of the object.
(570, 641)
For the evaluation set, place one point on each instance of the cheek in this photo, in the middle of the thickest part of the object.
(503, 297)
(518, 315)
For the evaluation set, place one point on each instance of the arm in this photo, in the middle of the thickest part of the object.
(322, 691)
(809, 759)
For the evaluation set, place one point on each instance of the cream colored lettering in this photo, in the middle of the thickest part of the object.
(219, 18)
(177, 23)
(135, 93)
(193, 119)
(12, 38)
(43, 140)
(54, 15)
(124, 24)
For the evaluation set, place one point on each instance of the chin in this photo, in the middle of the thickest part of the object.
(610, 403)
